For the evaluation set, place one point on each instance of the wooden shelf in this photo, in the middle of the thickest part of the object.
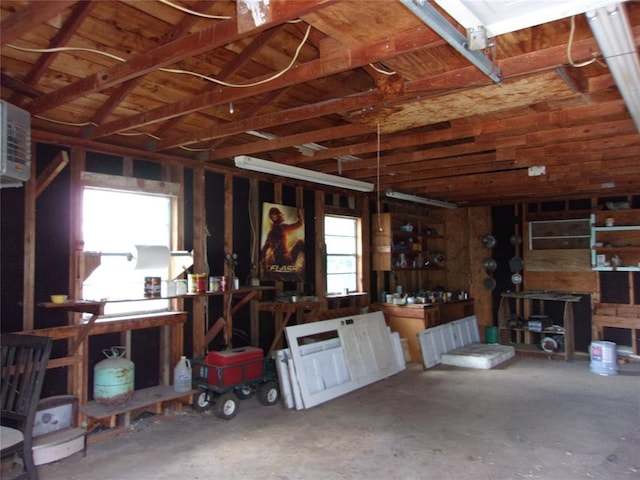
(413, 264)
(143, 398)
(80, 306)
(559, 234)
(504, 314)
(617, 316)
(622, 239)
(117, 418)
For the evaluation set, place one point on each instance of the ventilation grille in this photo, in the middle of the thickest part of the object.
(15, 144)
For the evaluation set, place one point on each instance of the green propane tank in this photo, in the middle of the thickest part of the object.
(113, 377)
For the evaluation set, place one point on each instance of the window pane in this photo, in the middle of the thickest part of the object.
(338, 282)
(345, 245)
(339, 226)
(341, 240)
(113, 223)
(340, 264)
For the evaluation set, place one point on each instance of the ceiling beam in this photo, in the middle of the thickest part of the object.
(517, 124)
(227, 72)
(460, 78)
(79, 12)
(125, 88)
(331, 133)
(31, 16)
(336, 62)
(183, 48)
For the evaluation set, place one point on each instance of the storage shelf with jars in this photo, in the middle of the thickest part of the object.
(615, 256)
(404, 242)
(615, 240)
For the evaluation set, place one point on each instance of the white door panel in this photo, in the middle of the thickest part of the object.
(361, 354)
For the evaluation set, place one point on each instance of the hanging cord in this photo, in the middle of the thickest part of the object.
(570, 44)
(177, 71)
(378, 179)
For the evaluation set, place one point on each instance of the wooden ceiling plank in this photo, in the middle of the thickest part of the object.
(230, 69)
(486, 131)
(306, 72)
(509, 180)
(183, 48)
(127, 87)
(451, 170)
(79, 12)
(454, 78)
(31, 16)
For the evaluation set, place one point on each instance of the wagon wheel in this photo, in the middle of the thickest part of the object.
(227, 406)
(268, 393)
(202, 402)
(244, 392)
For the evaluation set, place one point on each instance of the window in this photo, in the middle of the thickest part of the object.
(344, 253)
(114, 222)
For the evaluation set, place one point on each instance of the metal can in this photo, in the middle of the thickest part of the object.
(152, 286)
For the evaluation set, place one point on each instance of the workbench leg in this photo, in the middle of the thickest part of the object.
(568, 331)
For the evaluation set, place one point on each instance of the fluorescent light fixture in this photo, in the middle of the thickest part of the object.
(264, 166)
(439, 24)
(503, 16)
(611, 28)
(415, 199)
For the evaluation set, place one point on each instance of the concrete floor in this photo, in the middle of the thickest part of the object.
(528, 418)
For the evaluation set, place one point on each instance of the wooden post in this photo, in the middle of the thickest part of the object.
(78, 376)
(228, 248)
(28, 282)
(199, 260)
(365, 231)
(254, 218)
(321, 250)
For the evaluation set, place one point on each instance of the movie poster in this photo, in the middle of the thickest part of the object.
(282, 254)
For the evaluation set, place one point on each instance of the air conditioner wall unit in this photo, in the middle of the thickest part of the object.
(15, 145)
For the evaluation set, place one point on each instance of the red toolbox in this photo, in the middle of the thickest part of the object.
(234, 366)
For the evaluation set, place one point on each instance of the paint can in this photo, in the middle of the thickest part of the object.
(152, 287)
(491, 335)
(214, 284)
(603, 358)
(197, 282)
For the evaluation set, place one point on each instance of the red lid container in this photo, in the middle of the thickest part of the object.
(234, 366)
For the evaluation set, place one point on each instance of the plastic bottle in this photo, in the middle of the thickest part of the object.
(182, 375)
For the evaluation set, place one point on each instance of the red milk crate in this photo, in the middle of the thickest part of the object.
(234, 366)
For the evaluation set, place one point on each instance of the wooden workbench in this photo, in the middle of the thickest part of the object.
(282, 313)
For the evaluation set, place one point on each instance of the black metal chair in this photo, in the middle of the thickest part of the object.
(24, 364)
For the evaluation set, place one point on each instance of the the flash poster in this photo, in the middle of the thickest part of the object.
(282, 254)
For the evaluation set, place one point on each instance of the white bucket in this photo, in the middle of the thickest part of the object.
(604, 359)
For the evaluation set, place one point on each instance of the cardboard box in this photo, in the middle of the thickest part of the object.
(234, 366)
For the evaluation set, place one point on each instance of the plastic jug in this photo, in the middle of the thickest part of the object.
(182, 375)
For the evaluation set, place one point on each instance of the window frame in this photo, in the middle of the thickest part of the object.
(171, 190)
(358, 255)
